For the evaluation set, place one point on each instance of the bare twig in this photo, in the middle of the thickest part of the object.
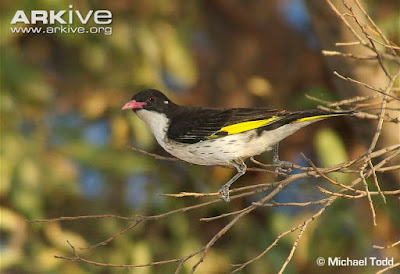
(78, 258)
(362, 176)
(376, 28)
(365, 85)
(75, 218)
(371, 166)
(388, 268)
(386, 247)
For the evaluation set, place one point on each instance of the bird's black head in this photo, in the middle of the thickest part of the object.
(149, 99)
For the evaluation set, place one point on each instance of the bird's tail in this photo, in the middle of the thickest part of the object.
(310, 115)
(306, 116)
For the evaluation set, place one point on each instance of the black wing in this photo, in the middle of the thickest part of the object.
(191, 125)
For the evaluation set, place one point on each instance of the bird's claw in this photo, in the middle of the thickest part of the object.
(224, 193)
(285, 168)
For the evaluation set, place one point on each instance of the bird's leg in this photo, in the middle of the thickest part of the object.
(241, 169)
(285, 167)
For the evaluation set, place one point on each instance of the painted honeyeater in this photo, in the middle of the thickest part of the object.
(219, 136)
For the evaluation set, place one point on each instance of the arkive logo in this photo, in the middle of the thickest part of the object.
(100, 17)
(63, 19)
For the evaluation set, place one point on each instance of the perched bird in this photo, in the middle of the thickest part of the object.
(218, 136)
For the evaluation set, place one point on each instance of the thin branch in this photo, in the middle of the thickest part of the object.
(361, 195)
(78, 258)
(388, 268)
(345, 44)
(116, 235)
(155, 156)
(294, 246)
(386, 247)
(349, 55)
(276, 204)
(365, 85)
(344, 20)
(362, 176)
(352, 100)
(190, 194)
(376, 28)
(376, 181)
(384, 102)
(389, 168)
(75, 218)
(326, 177)
(277, 239)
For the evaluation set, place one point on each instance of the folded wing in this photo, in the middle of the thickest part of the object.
(192, 125)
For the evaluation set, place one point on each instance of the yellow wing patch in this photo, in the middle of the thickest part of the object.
(242, 127)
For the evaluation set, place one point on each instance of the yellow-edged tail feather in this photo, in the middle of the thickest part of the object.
(249, 125)
(317, 117)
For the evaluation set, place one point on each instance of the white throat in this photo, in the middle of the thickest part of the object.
(157, 122)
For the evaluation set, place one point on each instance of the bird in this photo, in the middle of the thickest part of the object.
(219, 136)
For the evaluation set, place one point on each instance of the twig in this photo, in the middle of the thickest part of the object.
(275, 204)
(75, 218)
(326, 177)
(361, 195)
(345, 44)
(374, 25)
(384, 169)
(376, 181)
(388, 268)
(116, 235)
(386, 247)
(352, 100)
(365, 85)
(294, 246)
(349, 55)
(78, 258)
(189, 194)
(384, 101)
(356, 35)
(362, 176)
(155, 156)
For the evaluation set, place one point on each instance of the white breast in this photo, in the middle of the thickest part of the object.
(157, 122)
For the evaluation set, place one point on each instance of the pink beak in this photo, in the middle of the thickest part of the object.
(133, 105)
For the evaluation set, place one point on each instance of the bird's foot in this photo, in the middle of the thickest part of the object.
(224, 193)
(284, 167)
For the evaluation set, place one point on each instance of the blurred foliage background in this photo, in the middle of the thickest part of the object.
(64, 136)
